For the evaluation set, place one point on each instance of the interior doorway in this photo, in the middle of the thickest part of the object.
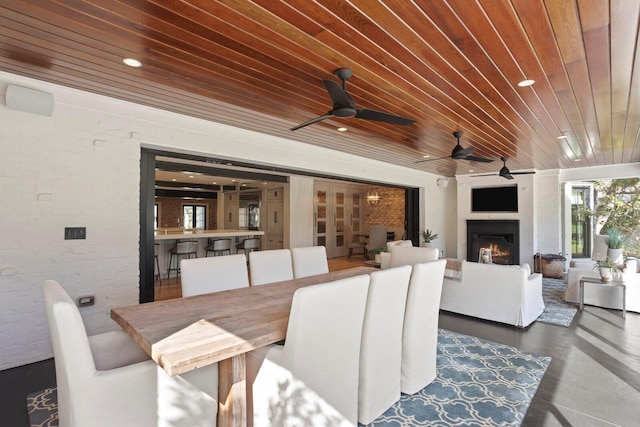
(151, 159)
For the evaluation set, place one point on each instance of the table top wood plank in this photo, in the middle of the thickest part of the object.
(187, 333)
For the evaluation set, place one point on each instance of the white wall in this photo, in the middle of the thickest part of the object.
(80, 168)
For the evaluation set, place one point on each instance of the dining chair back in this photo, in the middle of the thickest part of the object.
(107, 380)
(213, 274)
(420, 331)
(313, 378)
(381, 347)
(377, 237)
(309, 261)
(354, 244)
(270, 266)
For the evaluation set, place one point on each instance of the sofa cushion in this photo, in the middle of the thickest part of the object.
(399, 243)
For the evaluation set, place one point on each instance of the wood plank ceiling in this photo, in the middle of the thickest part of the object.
(449, 64)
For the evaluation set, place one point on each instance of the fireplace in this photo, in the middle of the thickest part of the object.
(502, 237)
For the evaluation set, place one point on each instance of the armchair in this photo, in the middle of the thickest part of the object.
(106, 380)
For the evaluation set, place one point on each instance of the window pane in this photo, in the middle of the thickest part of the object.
(187, 217)
(201, 217)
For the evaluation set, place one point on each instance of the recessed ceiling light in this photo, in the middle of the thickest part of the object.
(233, 180)
(525, 83)
(562, 137)
(190, 176)
(131, 62)
(577, 160)
(173, 179)
(426, 156)
(215, 182)
(342, 129)
(471, 170)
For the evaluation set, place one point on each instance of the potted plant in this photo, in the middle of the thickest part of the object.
(606, 268)
(374, 254)
(614, 245)
(428, 236)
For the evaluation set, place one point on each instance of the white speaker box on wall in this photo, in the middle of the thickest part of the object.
(443, 183)
(29, 100)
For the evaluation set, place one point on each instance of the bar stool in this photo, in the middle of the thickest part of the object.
(181, 249)
(219, 246)
(156, 247)
(248, 245)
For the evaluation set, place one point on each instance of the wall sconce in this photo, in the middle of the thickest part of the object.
(373, 198)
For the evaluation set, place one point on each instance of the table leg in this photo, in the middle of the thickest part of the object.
(232, 397)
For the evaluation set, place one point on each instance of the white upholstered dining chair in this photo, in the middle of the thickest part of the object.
(213, 274)
(420, 331)
(381, 347)
(313, 378)
(309, 261)
(107, 380)
(270, 266)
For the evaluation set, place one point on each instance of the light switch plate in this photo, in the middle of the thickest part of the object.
(75, 233)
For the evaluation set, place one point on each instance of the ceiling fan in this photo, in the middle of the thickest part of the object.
(505, 172)
(460, 153)
(345, 107)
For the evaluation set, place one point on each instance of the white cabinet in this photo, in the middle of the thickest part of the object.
(274, 228)
(231, 211)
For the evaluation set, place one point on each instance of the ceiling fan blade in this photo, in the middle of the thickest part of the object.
(478, 159)
(485, 174)
(379, 116)
(431, 159)
(522, 173)
(506, 176)
(339, 96)
(312, 121)
(461, 153)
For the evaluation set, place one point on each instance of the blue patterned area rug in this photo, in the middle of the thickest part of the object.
(43, 408)
(479, 383)
(557, 311)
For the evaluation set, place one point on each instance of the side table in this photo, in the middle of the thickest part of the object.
(613, 282)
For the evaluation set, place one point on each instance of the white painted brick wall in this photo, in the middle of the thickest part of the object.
(52, 176)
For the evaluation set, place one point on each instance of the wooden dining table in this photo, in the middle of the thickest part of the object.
(183, 334)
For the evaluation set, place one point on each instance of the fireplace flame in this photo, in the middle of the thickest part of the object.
(496, 250)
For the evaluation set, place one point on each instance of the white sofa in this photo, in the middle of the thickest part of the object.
(402, 252)
(501, 293)
(604, 296)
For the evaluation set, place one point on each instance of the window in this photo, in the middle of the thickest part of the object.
(194, 216)
(581, 227)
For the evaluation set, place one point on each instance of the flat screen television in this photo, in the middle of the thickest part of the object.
(494, 199)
